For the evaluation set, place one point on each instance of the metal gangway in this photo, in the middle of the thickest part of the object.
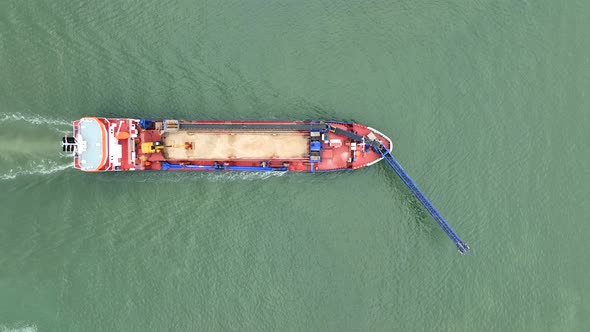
(387, 156)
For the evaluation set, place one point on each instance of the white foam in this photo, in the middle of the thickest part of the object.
(19, 328)
(33, 119)
(244, 176)
(37, 168)
(188, 176)
(33, 148)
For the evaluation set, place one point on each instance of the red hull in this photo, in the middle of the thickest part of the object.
(106, 144)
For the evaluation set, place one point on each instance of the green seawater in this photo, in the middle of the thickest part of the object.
(487, 103)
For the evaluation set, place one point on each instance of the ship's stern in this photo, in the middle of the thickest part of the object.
(101, 144)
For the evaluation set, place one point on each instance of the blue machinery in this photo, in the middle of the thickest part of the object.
(387, 156)
(219, 167)
(399, 170)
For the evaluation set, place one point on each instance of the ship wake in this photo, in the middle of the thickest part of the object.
(34, 120)
(43, 167)
(184, 177)
(19, 328)
(28, 145)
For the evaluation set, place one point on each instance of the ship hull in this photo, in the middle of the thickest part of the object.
(121, 144)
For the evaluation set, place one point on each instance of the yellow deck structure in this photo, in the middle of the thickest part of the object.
(235, 145)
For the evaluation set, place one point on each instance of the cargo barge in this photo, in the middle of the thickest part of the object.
(120, 144)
